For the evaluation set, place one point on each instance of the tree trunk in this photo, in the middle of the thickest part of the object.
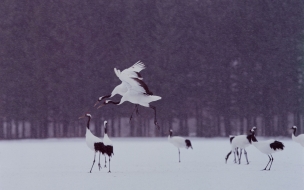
(119, 126)
(1, 128)
(227, 125)
(113, 126)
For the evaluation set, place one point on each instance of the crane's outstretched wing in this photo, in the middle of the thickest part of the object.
(137, 67)
(126, 79)
(132, 83)
(134, 70)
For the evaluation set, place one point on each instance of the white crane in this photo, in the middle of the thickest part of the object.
(108, 145)
(241, 142)
(179, 142)
(235, 151)
(267, 147)
(121, 89)
(93, 142)
(298, 139)
(137, 93)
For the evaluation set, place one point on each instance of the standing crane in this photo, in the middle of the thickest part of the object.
(267, 147)
(93, 142)
(179, 142)
(298, 139)
(241, 142)
(108, 145)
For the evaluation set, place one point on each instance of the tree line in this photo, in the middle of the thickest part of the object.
(220, 67)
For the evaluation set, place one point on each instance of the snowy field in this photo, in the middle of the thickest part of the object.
(145, 164)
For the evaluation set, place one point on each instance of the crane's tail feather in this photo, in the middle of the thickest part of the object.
(277, 145)
(154, 98)
(188, 143)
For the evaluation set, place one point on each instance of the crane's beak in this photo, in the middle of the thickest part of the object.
(96, 103)
(101, 106)
(81, 117)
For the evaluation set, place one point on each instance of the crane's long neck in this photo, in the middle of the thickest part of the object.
(88, 124)
(112, 102)
(294, 137)
(294, 132)
(253, 138)
(104, 97)
(248, 137)
(105, 130)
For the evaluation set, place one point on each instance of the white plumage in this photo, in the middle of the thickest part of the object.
(134, 70)
(138, 92)
(136, 97)
(108, 145)
(264, 146)
(241, 142)
(91, 139)
(106, 139)
(267, 147)
(179, 142)
(121, 89)
(93, 142)
(298, 139)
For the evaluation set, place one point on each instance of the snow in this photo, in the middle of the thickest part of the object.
(146, 164)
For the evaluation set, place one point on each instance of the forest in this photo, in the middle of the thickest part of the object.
(220, 66)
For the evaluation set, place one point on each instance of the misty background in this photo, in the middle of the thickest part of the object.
(220, 66)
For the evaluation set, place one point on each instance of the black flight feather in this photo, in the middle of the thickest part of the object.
(138, 75)
(142, 84)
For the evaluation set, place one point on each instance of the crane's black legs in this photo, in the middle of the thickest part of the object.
(178, 155)
(270, 159)
(271, 162)
(228, 156)
(234, 153)
(93, 162)
(105, 162)
(109, 164)
(246, 156)
(99, 162)
(240, 156)
(155, 121)
(134, 110)
(137, 112)
(237, 154)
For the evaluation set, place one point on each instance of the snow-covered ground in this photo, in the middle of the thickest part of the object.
(144, 164)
